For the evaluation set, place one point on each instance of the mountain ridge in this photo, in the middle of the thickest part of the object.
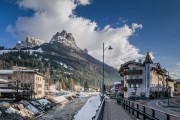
(63, 56)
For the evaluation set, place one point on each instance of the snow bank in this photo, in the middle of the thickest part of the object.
(30, 107)
(53, 89)
(86, 94)
(90, 107)
(82, 94)
(10, 110)
(60, 99)
(44, 102)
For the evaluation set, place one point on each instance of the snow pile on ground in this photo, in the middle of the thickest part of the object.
(86, 94)
(90, 107)
(4, 104)
(44, 101)
(53, 89)
(64, 92)
(10, 110)
(30, 107)
(82, 94)
(60, 99)
(21, 110)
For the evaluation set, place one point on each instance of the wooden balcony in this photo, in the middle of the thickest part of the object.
(134, 81)
(133, 72)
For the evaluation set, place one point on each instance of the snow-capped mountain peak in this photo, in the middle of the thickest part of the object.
(30, 42)
(65, 38)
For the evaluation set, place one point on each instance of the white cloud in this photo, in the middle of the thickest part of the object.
(178, 64)
(51, 16)
(83, 2)
(175, 74)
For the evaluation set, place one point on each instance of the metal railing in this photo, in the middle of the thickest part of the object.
(100, 111)
(143, 112)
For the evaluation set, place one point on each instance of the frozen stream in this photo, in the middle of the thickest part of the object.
(66, 111)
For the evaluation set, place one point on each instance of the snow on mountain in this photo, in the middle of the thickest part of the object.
(65, 38)
(31, 51)
(29, 43)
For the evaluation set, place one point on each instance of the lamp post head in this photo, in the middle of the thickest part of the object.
(110, 48)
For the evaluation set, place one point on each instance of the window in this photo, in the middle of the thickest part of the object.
(136, 77)
(21, 84)
(137, 85)
(9, 77)
(134, 85)
(39, 85)
(131, 85)
(39, 92)
(134, 68)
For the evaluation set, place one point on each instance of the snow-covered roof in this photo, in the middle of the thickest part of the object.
(115, 83)
(12, 71)
(3, 81)
(6, 71)
(7, 90)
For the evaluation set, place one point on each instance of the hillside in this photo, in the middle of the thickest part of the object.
(63, 58)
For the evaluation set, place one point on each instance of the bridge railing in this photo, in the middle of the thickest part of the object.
(143, 112)
(100, 111)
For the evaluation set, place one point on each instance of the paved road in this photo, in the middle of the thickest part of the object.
(113, 111)
(154, 104)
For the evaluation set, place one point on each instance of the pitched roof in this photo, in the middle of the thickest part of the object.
(148, 59)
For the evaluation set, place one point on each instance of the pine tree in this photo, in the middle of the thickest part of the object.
(63, 85)
(58, 86)
(72, 88)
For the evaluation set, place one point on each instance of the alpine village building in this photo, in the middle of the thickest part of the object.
(145, 79)
(27, 84)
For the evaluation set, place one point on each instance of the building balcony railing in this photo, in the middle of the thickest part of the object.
(132, 72)
(134, 81)
(153, 89)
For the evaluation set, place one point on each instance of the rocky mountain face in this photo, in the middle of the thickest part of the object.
(64, 58)
(30, 42)
(65, 38)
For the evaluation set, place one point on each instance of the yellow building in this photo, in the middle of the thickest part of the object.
(177, 87)
(26, 80)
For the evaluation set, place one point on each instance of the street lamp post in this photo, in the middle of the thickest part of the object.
(104, 48)
(135, 88)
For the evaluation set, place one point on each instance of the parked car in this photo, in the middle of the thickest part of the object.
(134, 97)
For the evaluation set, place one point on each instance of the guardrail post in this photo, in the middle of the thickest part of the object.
(168, 117)
(137, 110)
(126, 105)
(132, 108)
(129, 107)
(153, 113)
(144, 111)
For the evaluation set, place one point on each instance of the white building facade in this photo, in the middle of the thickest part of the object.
(144, 79)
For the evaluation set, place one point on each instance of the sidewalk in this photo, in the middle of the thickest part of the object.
(113, 111)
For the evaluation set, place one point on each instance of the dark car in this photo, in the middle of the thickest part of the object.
(134, 97)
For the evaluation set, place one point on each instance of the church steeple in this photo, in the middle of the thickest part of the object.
(148, 59)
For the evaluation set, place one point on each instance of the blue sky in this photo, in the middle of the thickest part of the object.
(160, 20)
